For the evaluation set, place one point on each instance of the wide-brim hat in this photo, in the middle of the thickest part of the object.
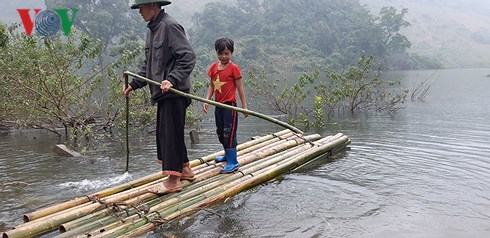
(137, 3)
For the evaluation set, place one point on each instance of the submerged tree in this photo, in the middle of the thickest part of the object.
(44, 86)
(52, 83)
(357, 88)
(361, 88)
(280, 95)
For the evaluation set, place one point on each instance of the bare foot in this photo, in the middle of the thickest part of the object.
(188, 174)
(162, 188)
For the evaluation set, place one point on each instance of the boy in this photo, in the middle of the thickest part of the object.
(226, 79)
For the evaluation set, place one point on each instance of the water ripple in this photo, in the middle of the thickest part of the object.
(89, 185)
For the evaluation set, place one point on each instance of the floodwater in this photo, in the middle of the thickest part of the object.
(422, 172)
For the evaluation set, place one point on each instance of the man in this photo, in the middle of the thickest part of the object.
(170, 61)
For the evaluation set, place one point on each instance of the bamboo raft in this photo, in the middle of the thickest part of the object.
(128, 210)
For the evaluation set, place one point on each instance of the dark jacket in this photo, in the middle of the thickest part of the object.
(169, 55)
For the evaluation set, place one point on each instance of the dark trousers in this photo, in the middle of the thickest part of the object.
(171, 149)
(226, 124)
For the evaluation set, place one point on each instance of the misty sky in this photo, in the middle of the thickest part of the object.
(8, 8)
(441, 29)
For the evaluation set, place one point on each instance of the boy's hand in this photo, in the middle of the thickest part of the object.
(245, 114)
(205, 107)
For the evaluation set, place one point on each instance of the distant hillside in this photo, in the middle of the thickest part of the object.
(457, 33)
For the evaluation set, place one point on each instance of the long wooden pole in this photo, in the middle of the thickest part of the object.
(259, 115)
(127, 123)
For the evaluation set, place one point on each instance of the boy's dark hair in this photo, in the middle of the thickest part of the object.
(222, 43)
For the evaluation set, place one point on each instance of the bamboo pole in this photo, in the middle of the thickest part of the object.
(206, 176)
(82, 224)
(111, 222)
(253, 156)
(77, 201)
(199, 188)
(80, 221)
(127, 123)
(117, 231)
(145, 228)
(259, 115)
(31, 232)
(52, 222)
(287, 136)
(240, 147)
(142, 226)
(152, 177)
(117, 228)
(249, 150)
(171, 209)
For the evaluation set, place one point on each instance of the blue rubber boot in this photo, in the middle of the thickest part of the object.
(220, 158)
(231, 161)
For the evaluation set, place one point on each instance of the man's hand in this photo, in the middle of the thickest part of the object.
(166, 85)
(127, 90)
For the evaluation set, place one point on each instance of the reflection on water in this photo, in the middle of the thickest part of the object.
(423, 172)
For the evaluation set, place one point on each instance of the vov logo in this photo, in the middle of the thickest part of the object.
(47, 22)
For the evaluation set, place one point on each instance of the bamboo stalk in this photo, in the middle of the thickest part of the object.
(259, 115)
(287, 136)
(68, 226)
(199, 188)
(168, 206)
(242, 151)
(249, 150)
(265, 176)
(152, 177)
(202, 162)
(296, 151)
(273, 149)
(92, 207)
(77, 201)
(279, 146)
(127, 124)
(134, 227)
(52, 222)
(69, 229)
(117, 228)
(256, 165)
(129, 202)
(83, 224)
(253, 156)
(299, 150)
